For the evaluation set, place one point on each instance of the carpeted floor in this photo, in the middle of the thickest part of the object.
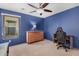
(42, 48)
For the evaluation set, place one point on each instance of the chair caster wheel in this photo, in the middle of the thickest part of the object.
(66, 50)
(57, 48)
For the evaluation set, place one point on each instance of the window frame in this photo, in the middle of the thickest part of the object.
(3, 26)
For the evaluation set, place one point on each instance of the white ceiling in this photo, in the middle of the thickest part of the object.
(55, 7)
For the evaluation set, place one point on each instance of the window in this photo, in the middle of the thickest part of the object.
(10, 26)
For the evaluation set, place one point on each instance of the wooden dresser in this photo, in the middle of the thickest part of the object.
(34, 36)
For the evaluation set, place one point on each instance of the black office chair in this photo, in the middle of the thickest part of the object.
(61, 39)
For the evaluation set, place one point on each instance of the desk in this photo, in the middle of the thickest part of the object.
(70, 39)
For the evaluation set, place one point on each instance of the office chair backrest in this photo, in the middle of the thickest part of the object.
(60, 34)
(59, 29)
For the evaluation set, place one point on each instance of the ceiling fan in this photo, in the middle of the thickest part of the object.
(41, 8)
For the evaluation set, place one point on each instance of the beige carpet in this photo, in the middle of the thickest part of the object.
(42, 48)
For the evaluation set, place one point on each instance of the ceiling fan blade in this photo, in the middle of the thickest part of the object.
(33, 11)
(46, 10)
(44, 5)
(33, 6)
(40, 4)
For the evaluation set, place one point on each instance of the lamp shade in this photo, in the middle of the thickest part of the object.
(33, 25)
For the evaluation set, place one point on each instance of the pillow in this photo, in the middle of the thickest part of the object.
(3, 48)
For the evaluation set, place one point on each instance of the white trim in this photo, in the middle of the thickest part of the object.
(10, 14)
(27, 37)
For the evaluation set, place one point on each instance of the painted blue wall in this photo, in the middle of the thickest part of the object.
(25, 25)
(68, 20)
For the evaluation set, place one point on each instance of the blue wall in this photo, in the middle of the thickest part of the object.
(68, 19)
(25, 25)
